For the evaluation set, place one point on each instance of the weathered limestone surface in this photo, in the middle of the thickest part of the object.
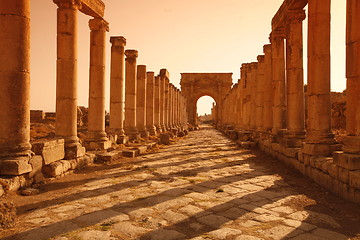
(15, 85)
(150, 103)
(130, 94)
(117, 87)
(96, 136)
(50, 150)
(66, 77)
(141, 101)
(157, 105)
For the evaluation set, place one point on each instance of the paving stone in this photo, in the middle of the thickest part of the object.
(95, 235)
(308, 236)
(164, 234)
(281, 232)
(129, 229)
(247, 237)
(191, 210)
(213, 220)
(233, 213)
(173, 217)
(327, 234)
(224, 233)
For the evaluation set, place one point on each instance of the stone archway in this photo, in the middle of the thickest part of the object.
(196, 85)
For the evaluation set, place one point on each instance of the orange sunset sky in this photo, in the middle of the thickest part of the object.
(182, 36)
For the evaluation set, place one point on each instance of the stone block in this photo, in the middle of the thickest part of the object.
(15, 166)
(51, 150)
(319, 161)
(66, 165)
(142, 149)
(306, 159)
(181, 134)
(292, 152)
(275, 147)
(325, 167)
(7, 215)
(317, 149)
(113, 138)
(165, 139)
(74, 152)
(122, 139)
(53, 169)
(108, 157)
(103, 145)
(39, 177)
(354, 179)
(347, 160)
(334, 171)
(131, 153)
(343, 175)
(37, 115)
(36, 163)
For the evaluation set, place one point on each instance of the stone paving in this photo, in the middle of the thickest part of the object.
(201, 187)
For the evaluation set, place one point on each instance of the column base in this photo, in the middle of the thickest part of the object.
(100, 145)
(122, 139)
(159, 129)
(144, 134)
(152, 130)
(74, 151)
(352, 144)
(293, 139)
(15, 166)
(278, 135)
(320, 149)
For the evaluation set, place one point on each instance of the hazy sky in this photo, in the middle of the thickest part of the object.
(182, 36)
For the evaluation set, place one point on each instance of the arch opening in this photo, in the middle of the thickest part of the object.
(204, 109)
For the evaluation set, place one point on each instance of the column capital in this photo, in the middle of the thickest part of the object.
(97, 24)
(118, 41)
(72, 4)
(261, 58)
(164, 73)
(253, 65)
(295, 16)
(267, 48)
(277, 35)
(131, 53)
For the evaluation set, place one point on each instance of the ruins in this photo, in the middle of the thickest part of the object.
(269, 108)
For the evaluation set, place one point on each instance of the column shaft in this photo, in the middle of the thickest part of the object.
(141, 101)
(15, 85)
(130, 95)
(117, 86)
(278, 78)
(150, 103)
(268, 93)
(260, 94)
(351, 143)
(66, 77)
(157, 107)
(97, 138)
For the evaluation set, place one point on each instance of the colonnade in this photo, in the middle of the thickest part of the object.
(138, 107)
(271, 98)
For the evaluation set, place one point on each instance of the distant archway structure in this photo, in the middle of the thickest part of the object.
(196, 85)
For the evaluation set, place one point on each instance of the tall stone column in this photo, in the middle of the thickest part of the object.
(278, 78)
(130, 95)
(96, 136)
(260, 93)
(268, 96)
(171, 107)
(117, 88)
(319, 135)
(157, 107)
(177, 121)
(150, 103)
(66, 77)
(141, 101)
(164, 74)
(352, 141)
(295, 132)
(253, 80)
(15, 148)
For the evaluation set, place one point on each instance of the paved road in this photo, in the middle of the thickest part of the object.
(201, 187)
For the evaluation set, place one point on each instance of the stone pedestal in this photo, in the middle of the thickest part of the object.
(318, 89)
(130, 95)
(66, 77)
(295, 132)
(150, 103)
(141, 101)
(15, 148)
(157, 107)
(278, 79)
(117, 88)
(96, 137)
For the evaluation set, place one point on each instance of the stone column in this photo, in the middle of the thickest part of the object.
(260, 93)
(171, 107)
(15, 148)
(130, 95)
(295, 132)
(178, 125)
(253, 80)
(117, 88)
(150, 103)
(157, 107)
(96, 136)
(319, 135)
(66, 77)
(278, 78)
(352, 141)
(141, 101)
(268, 96)
(164, 83)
